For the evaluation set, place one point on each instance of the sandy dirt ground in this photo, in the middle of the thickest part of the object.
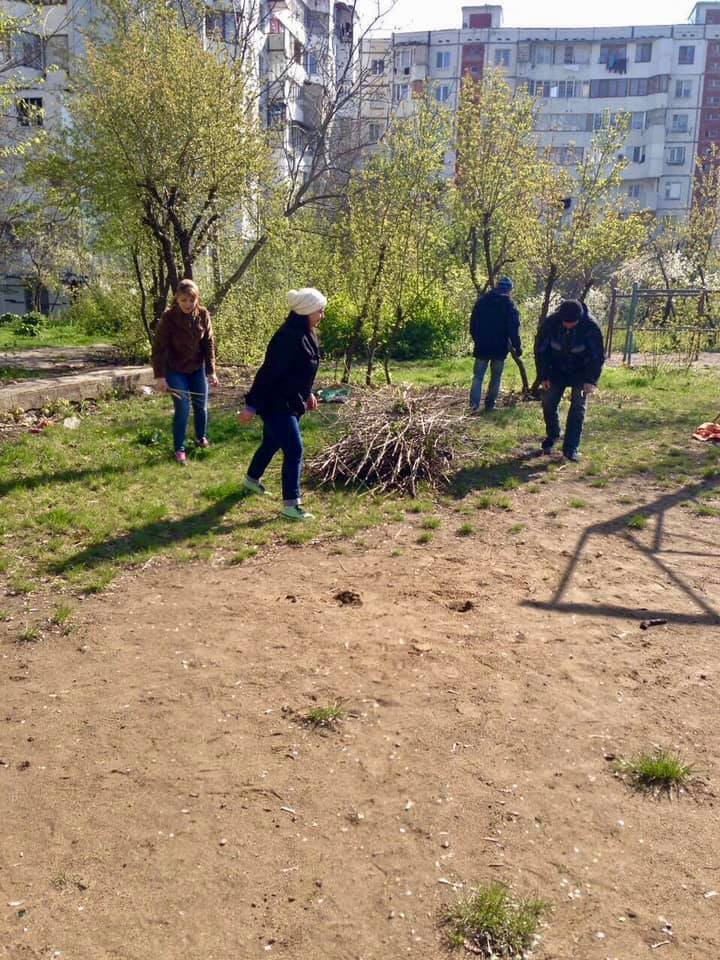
(159, 798)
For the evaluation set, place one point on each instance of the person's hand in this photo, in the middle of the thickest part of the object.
(312, 403)
(161, 384)
(589, 388)
(214, 382)
(546, 384)
(245, 416)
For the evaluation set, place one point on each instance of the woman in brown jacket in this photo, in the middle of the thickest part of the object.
(183, 359)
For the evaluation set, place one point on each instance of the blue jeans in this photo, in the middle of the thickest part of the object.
(576, 415)
(281, 431)
(496, 372)
(188, 388)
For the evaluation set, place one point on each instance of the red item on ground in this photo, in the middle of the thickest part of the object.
(708, 432)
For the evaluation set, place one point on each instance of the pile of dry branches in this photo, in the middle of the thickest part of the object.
(394, 440)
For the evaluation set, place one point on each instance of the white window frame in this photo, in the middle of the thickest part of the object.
(673, 186)
(442, 88)
(683, 89)
(442, 60)
(676, 156)
(377, 68)
(691, 61)
(502, 57)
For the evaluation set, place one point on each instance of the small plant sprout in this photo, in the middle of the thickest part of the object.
(325, 716)
(659, 770)
(465, 530)
(426, 537)
(430, 523)
(491, 923)
(577, 504)
(638, 521)
(29, 635)
(61, 615)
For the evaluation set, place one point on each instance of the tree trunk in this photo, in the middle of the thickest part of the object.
(547, 294)
(237, 275)
(351, 349)
(143, 296)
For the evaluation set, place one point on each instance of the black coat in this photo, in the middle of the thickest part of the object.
(574, 356)
(284, 382)
(495, 326)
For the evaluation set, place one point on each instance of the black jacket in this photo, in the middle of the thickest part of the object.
(573, 356)
(495, 326)
(284, 382)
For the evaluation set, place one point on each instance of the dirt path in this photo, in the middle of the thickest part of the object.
(173, 807)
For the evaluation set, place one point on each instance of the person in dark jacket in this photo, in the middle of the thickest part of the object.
(570, 353)
(183, 359)
(495, 328)
(282, 392)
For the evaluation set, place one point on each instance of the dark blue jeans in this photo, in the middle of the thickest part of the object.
(188, 388)
(281, 431)
(576, 415)
(496, 372)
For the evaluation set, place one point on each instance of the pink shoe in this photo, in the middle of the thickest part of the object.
(181, 457)
(203, 442)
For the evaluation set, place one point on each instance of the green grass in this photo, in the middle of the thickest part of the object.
(577, 504)
(656, 770)
(62, 614)
(465, 530)
(517, 528)
(51, 335)
(638, 521)
(78, 507)
(431, 523)
(426, 537)
(29, 635)
(493, 924)
(324, 716)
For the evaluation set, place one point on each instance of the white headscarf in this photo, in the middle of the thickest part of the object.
(306, 301)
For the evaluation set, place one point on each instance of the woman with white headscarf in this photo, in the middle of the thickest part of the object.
(282, 392)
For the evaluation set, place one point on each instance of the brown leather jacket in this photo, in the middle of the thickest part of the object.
(183, 343)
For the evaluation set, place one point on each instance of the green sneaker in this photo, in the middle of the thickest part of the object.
(254, 486)
(296, 513)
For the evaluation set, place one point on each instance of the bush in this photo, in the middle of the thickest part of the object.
(29, 325)
(10, 319)
(336, 329)
(433, 329)
(101, 310)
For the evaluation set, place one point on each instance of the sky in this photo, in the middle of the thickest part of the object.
(437, 14)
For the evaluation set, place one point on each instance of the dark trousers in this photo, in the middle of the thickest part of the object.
(188, 388)
(575, 418)
(480, 369)
(281, 431)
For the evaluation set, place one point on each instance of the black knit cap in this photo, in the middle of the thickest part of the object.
(570, 311)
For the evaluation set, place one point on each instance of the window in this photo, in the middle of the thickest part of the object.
(543, 54)
(30, 53)
(608, 88)
(57, 51)
(442, 60)
(312, 66)
(276, 114)
(633, 191)
(612, 53)
(298, 138)
(377, 68)
(375, 132)
(275, 26)
(401, 91)
(638, 121)
(683, 89)
(642, 86)
(567, 156)
(638, 155)
(643, 52)
(686, 55)
(569, 55)
(679, 123)
(29, 112)
(403, 61)
(502, 58)
(442, 93)
(673, 190)
(676, 156)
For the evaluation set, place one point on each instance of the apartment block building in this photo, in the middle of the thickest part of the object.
(666, 77)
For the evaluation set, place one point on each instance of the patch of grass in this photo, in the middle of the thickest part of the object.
(21, 585)
(517, 528)
(704, 510)
(397, 552)
(485, 502)
(626, 500)
(5, 616)
(657, 770)
(533, 488)
(492, 923)
(426, 537)
(61, 615)
(510, 483)
(638, 521)
(599, 483)
(577, 504)
(29, 635)
(325, 716)
(503, 503)
(247, 553)
(431, 523)
(465, 530)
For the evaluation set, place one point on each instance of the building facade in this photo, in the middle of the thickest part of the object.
(666, 77)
